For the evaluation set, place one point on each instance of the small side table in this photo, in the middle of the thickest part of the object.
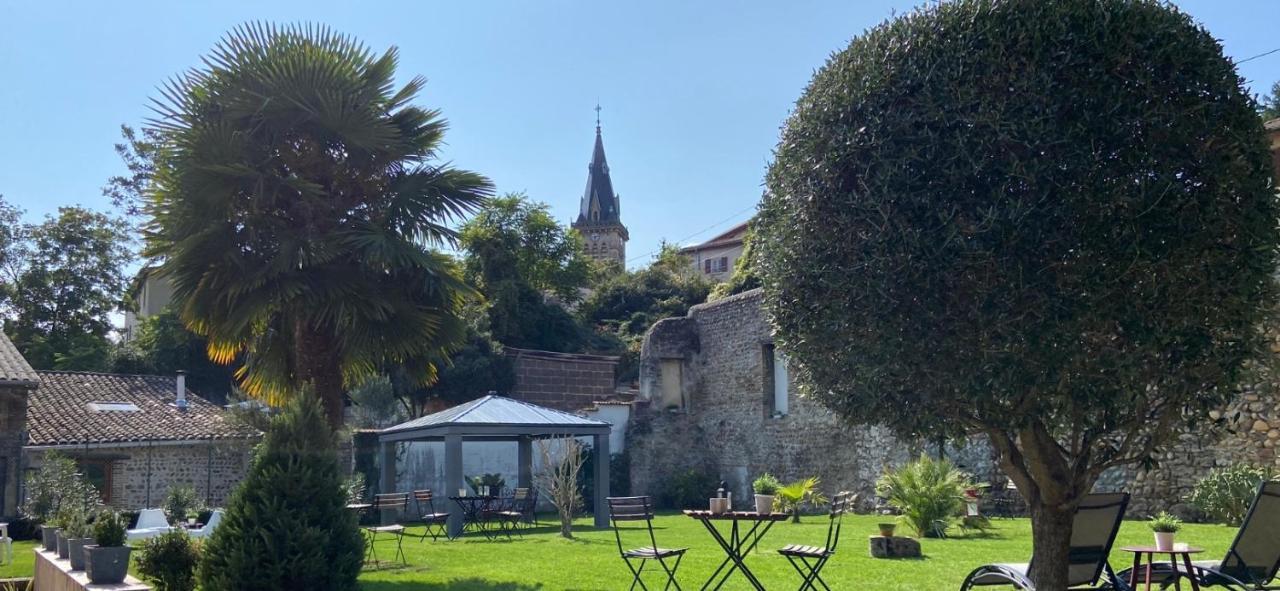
(1179, 553)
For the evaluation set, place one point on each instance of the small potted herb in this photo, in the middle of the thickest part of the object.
(1165, 526)
(78, 534)
(765, 487)
(107, 560)
(886, 529)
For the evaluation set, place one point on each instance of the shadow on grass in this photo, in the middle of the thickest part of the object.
(454, 585)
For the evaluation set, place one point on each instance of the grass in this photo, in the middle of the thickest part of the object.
(543, 561)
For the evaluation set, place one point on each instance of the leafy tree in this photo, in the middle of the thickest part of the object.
(139, 152)
(1052, 225)
(11, 239)
(1270, 107)
(627, 303)
(164, 345)
(516, 253)
(296, 208)
(69, 282)
(287, 525)
(376, 404)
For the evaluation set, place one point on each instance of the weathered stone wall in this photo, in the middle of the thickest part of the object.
(142, 475)
(565, 381)
(725, 428)
(13, 421)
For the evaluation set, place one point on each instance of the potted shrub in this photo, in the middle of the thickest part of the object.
(1165, 526)
(180, 501)
(765, 487)
(49, 536)
(107, 560)
(60, 532)
(78, 534)
(886, 529)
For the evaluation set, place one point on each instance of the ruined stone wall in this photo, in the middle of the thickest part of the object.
(725, 428)
(142, 475)
(564, 381)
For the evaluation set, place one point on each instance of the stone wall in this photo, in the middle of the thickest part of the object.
(564, 381)
(13, 421)
(725, 427)
(141, 475)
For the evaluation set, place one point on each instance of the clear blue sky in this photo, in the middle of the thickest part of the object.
(693, 92)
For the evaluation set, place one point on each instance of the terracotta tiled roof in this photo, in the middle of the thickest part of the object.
(59, 412)
(13, 368)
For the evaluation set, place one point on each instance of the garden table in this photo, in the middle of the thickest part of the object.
(1179, 551)
(738, 544)
(473, 509)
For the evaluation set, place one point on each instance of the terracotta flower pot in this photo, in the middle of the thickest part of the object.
(886, 529)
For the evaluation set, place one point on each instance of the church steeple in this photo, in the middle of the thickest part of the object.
(599, 214)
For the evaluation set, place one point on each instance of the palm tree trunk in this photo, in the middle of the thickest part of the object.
(319, 366)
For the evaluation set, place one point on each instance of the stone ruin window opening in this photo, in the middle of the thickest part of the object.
(672, 375)
(776, 382)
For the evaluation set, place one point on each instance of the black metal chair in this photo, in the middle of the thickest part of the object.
(516, 509)
(435, 523)
(809, 560)
(1094, 529)
(395, 502)
(1252, 560)
(633, 509)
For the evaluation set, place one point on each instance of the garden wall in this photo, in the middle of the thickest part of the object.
(564, 381)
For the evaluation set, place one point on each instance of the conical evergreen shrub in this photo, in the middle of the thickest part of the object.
(287, 525)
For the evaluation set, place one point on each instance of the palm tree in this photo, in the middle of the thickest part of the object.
(296, 205)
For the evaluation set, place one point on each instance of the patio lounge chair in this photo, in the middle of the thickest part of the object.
(626, 509)
(434, 521)
(1097, 521)
(214, 519)
(809, 560)
(151, 523)
(1253, 558)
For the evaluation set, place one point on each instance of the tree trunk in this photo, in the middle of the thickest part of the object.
(1051, 544)
(320, 366)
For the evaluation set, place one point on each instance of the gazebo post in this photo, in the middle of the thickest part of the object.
(388, 484)
(453, 478)
(601, 443)
(525, 462)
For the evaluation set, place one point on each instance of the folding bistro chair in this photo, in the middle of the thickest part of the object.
(514, 512)
(1253, 558)
(434, 522)
(809, 560)
(626, 509)
(1094, 529)
(397, 502)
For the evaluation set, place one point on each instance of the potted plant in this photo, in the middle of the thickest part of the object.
(60, 533)
(765, 487)
(1165, 526)
(78, 535)
(106, 562)
(179, 502)
(49, 536)
(886, 529)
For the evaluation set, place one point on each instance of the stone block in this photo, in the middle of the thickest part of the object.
(895, 547)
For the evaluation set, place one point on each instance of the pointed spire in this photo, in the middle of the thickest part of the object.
(599, 202)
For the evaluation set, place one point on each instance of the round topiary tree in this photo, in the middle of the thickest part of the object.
(287, 525)
(1051, 223)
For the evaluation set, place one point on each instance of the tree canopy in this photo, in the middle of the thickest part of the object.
(1051, 223)
(296, 207)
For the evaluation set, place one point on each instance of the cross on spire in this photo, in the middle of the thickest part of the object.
(597, 117)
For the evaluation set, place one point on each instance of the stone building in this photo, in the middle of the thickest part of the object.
(713, 260)
(149, 295)
(563, 381)
(136, 436)
(17, 379)
(600, 216)
(719, 401)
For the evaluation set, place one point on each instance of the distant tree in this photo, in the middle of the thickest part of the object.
(163, 346)
(517, 254)
(69, 280)
(296, 208)
(139, 152)
(376, 404)
(11, 241)
(1271, 103)
(1053, 225)
(476, 369)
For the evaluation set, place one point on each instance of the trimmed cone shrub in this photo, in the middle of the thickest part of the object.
(287, 525)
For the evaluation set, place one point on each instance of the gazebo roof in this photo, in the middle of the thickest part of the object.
(495, 417)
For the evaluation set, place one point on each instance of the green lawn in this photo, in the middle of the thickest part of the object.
(544, 561)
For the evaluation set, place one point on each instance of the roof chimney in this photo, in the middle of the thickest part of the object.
(181, 400)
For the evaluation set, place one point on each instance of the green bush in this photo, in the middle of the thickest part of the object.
(287, 525)
(928, 492)
(1225, 494)
(169, 561)
(58, 485)
(180, 502)
(688, 490)
(109, 530)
